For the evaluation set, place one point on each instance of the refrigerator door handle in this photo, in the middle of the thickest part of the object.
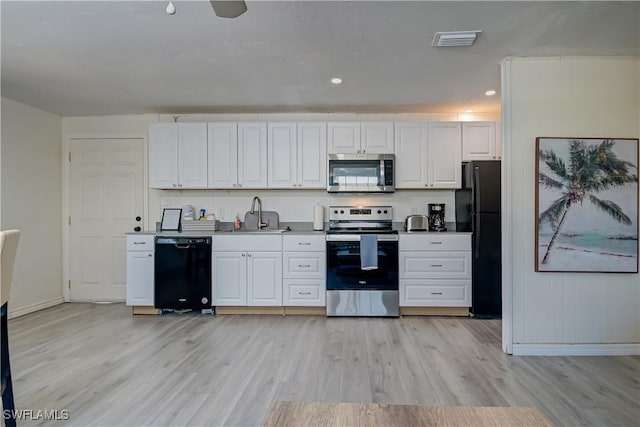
(476, 187)
(476, 237)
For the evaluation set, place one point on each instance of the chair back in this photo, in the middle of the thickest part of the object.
(9, 246)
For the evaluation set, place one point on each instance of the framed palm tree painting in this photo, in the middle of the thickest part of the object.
(587, 205)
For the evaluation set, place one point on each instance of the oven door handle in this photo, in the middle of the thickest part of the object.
(356, 238)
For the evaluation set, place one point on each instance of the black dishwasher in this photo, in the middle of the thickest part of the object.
(183, 273)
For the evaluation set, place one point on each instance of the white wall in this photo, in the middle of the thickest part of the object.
(31, 202)
(570, 97)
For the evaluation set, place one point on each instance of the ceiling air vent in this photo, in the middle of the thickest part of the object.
(454, 38)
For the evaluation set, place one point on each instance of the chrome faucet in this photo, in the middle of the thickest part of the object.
(261, 224)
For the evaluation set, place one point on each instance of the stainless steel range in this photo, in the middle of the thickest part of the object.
(362, 262)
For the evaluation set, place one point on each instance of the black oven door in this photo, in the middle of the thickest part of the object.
(344, 270)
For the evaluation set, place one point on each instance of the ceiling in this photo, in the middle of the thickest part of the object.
(118, 57)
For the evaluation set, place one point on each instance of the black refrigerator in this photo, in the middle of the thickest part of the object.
(478, 211)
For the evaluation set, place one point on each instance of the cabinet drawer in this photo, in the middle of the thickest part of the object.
(304, 265)
(140, 242)
(304, 292)
(435, 242)
(246, 243)
(304, 243)
(452, 265)
(437, 293)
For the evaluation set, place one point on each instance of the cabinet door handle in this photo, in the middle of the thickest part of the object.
(436, 293)
(174, 185)
(304, 293)
(138, 243)
(304, 265)
(249, 255)
(179, 185)
(436, 265)
(150, 255)
(244, 254)
(304, 243)
(435, 243)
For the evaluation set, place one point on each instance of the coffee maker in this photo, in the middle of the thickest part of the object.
(436, 216)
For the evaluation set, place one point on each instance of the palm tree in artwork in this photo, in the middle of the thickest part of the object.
(591, 169)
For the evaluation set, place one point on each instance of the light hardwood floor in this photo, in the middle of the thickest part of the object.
(109, 368)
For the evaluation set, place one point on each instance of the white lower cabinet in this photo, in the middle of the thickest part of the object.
(435, 270)
(140, 270)
(247, 270)
(304, 264)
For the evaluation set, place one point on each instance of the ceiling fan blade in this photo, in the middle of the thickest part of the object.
(228, 8)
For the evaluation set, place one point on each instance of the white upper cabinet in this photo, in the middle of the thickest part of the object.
(177, 155)
(297, 155)
(223, 155)
(343, 137)
(360, 138)
(163, 155)
(445, 155)
(312, 155)
(282, 151)
(376, 137)
(252, 155)
(192, 155)
(411, 149)
(479, 141)
(428, 155)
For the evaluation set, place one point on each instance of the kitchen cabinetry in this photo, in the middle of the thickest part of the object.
(140, 269)
(297, 154)
(247, 270)
(428, 155)
(178, 155)
(360, 138)
(304, 265)
(481, 141)
(237, 155)
(435, 270)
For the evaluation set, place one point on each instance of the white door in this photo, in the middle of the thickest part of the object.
(229, 278)
(192, 155)
(478, 141)
(105, 200)
(312, 155)
(343, 137)
(411, 155)
(282, 142)
(264, 278)
(445, 155)
(377, 137)
(252, 155)
(223, 155)
(163, 155)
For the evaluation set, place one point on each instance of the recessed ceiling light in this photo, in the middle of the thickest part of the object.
(336, 80)
(468, 110)
(490, 92)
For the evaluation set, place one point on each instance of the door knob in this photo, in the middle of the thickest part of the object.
(137, 229)
(138, 218)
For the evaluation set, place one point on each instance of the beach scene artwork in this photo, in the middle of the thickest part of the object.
(587, 205)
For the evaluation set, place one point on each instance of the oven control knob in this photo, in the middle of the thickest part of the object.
(335, 211)
(385, 211)
(341, 211)
(379, 211)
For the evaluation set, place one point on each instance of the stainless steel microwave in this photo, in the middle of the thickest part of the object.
(360, 173)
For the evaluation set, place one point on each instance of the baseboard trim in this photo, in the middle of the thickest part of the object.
(576, 349)
(434, 311)
(34, 307)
